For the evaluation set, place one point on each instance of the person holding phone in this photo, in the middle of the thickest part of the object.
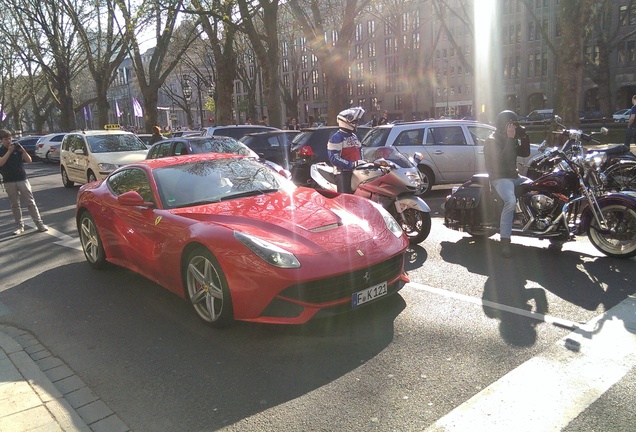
(500, 152)
(12, 160)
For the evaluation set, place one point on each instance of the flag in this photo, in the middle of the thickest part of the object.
(117, 111)
(139, 112)
(85, 114)
(90, 113)
(3, 115)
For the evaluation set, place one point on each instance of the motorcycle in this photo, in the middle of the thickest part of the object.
(615, 165)
(558, 206)
(390, 179)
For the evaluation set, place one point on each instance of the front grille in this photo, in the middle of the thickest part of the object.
(337, 287)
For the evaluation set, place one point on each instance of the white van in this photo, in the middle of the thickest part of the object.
(87, 156)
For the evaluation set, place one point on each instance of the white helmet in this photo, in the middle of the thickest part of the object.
(348, 119)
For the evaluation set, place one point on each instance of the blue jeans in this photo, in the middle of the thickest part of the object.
(505, 187)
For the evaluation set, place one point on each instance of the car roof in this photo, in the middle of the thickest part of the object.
(183, 159)
(102, 132)
(429, 123)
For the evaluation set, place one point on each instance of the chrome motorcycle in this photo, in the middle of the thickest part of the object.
(568, 201)
(390, 179)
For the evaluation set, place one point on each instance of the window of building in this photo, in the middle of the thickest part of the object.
(314, 76)
(359, 69)
(390, 46)
(305, 93)
(371, 49)
(397, 102)
(284, 49)
(358, 34)
(285, 65)
(371, 28)
(359, 51)
(316, 92)
(373, 67)
(373, 87)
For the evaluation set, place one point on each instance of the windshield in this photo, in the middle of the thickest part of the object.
(212, 181)
(221, 145)
(376, 137)
(372, 154)
(115, 143)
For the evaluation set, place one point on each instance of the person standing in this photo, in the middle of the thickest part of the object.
(293, 125)
(500, 152)
(344, 148)
(263, 121)
(384, 119)
(156, 135)
(630, 134)
(12, 160)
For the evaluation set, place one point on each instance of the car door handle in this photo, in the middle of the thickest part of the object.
(438, 152)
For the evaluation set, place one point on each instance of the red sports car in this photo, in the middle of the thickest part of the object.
(240, 241)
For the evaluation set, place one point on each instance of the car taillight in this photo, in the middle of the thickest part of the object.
(52, 149)
(40, 145)
(306, 151)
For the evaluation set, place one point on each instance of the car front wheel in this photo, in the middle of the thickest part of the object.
(207, 288)
(91, 177)
(91, 242)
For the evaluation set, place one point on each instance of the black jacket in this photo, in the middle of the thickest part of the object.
(501, 154)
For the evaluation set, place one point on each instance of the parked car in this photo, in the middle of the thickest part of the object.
(184, 133)
(29, 143)
(621, 116)
(240, 242)
(145, 137)
(236, 131)
(309, 147)
(453, 150)
(87, 156)
(272, 145)
(198, 144)
(538, 116)
(42, 147)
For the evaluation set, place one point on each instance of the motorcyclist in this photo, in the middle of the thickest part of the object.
(500, 152)
(344, 146)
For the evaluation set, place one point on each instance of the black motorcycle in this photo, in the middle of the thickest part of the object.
(615, 164)
(566, 202)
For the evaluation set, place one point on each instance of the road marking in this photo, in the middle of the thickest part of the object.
(63, 239)
(468, 299)
(548, 391)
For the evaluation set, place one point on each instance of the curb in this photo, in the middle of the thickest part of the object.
(63, 396)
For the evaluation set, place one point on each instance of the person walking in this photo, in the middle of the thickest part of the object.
(630, 133)
(12, 160)
(500, 153)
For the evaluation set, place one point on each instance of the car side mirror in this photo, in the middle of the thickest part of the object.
(133, 199)
(79, 152)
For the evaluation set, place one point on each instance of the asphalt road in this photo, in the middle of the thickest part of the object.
(468, 328)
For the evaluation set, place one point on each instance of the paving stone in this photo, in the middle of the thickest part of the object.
(110, 424)
(69, 384)
(8, 372)
(94, 411)
(40, 355)
(80, 397)
(19, 398)
(59, 373)
(38, 417)
(34, 348)
(49, 363)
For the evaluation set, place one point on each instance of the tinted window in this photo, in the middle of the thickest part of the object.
(159, 150)
(480, 134)
(132, 179)
(445, 135)
(410, 137)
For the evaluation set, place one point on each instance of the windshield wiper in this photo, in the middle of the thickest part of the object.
(248, 193)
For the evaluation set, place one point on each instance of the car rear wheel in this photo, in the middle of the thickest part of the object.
(207, 288)
(91, 242)
(67, 183)
(428, 180)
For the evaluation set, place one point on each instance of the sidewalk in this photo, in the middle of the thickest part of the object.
(39, 392)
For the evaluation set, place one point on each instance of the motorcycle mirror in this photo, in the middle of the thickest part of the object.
(418, 157)
(604, 130)
(543, 146)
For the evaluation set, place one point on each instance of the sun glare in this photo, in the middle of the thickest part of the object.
(485, 61)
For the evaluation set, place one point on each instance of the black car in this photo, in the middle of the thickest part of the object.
(197, 144)
(309, 147)
(272, 145)
(28, 142)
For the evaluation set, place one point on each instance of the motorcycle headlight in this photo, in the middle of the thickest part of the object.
(268, 252)
(414, 178)
(596, 159)
(389, 221)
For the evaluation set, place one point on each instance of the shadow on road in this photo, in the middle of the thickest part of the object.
(589, 282)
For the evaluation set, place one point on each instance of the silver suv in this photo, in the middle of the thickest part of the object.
(453, 150)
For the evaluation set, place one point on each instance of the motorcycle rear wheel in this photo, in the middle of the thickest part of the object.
(416, 225)
(621, 176)
(481, 232)
(621, 243)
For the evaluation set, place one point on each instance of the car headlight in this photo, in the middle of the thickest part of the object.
(106, 167)
(389, 220)
(267, 251)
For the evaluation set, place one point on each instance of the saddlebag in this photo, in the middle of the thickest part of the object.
(462, 210)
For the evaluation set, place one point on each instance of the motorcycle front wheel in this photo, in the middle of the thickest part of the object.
(620, 242)
(416, 224)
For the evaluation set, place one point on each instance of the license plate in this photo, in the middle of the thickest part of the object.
(368, 294)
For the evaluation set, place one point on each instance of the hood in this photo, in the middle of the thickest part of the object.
(302, 213)
(120, 158)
